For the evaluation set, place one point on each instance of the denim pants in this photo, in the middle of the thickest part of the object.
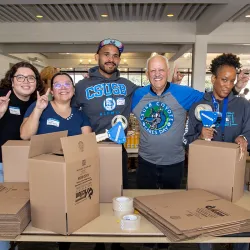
(4, 245)
(152, 176)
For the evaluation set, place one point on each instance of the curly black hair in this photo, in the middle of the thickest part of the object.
(224, 59)
(6, 82)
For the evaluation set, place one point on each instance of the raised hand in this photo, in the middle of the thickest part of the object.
(242, 79)
(4, 103)
(42, 101)
(177, 76)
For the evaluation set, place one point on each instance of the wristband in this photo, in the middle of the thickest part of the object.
(244, 137)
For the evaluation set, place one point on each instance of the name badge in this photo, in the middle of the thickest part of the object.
(120, 101)
(14, 110)
(53, 122)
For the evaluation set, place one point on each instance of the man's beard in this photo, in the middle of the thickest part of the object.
(109, 72)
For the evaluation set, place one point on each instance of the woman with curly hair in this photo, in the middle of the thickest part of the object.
(233, 123)
(17, 91)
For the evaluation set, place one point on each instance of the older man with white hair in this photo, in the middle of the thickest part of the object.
(161, 110)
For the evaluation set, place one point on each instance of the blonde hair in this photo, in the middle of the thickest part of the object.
(46, 75)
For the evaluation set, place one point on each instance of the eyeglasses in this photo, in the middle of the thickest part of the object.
(59, 85)
(21, 78)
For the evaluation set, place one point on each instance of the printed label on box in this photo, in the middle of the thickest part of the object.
(84, 186)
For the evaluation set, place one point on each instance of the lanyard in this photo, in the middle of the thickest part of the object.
(224, 114)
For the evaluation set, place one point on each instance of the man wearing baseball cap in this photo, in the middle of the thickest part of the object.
(104, 94)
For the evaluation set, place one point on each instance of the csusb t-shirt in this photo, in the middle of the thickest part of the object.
(51, 122)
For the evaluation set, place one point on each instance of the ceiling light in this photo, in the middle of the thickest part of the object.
(126, 69)
(170, 15)
(80, 60)
(39, 16)
(153, 54)
(247, 16)
(124, 60)
(67, 53)
(104, 15)
(90, 60)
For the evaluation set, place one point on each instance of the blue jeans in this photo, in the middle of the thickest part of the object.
(236, 246)
(4, 245)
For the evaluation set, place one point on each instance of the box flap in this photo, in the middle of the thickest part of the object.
(215, 144)
(77, 147)
(46, 143)
(17, 143)
(82, 179)
(50, 158)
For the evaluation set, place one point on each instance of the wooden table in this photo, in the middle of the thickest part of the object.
(106, 228)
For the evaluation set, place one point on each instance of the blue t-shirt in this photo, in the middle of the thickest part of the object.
(51, 122)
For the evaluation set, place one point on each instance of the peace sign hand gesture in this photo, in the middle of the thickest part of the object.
(4, 103)
(42, 101)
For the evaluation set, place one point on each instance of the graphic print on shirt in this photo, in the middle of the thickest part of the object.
(109, 104)
(115, 94)
(105, 89)
(230, 120)
(156, 118)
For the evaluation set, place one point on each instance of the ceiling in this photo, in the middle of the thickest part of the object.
(71, 29)
(73, 12)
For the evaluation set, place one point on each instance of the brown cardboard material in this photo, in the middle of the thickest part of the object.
(110, 171)
(188, 214)
(14, 208)
(64, 190)
(16, 168)
(247, 173)
(216, 167)
(15, 161)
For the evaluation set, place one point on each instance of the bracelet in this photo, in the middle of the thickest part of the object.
(244, 137)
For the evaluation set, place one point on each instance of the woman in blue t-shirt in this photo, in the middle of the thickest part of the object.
(57, 115)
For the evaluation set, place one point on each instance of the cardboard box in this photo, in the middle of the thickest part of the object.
(15, 161)
(216, 167)
(64, 190)
(110, 171)
(247, 173)
(16, 168)
(14, 208)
